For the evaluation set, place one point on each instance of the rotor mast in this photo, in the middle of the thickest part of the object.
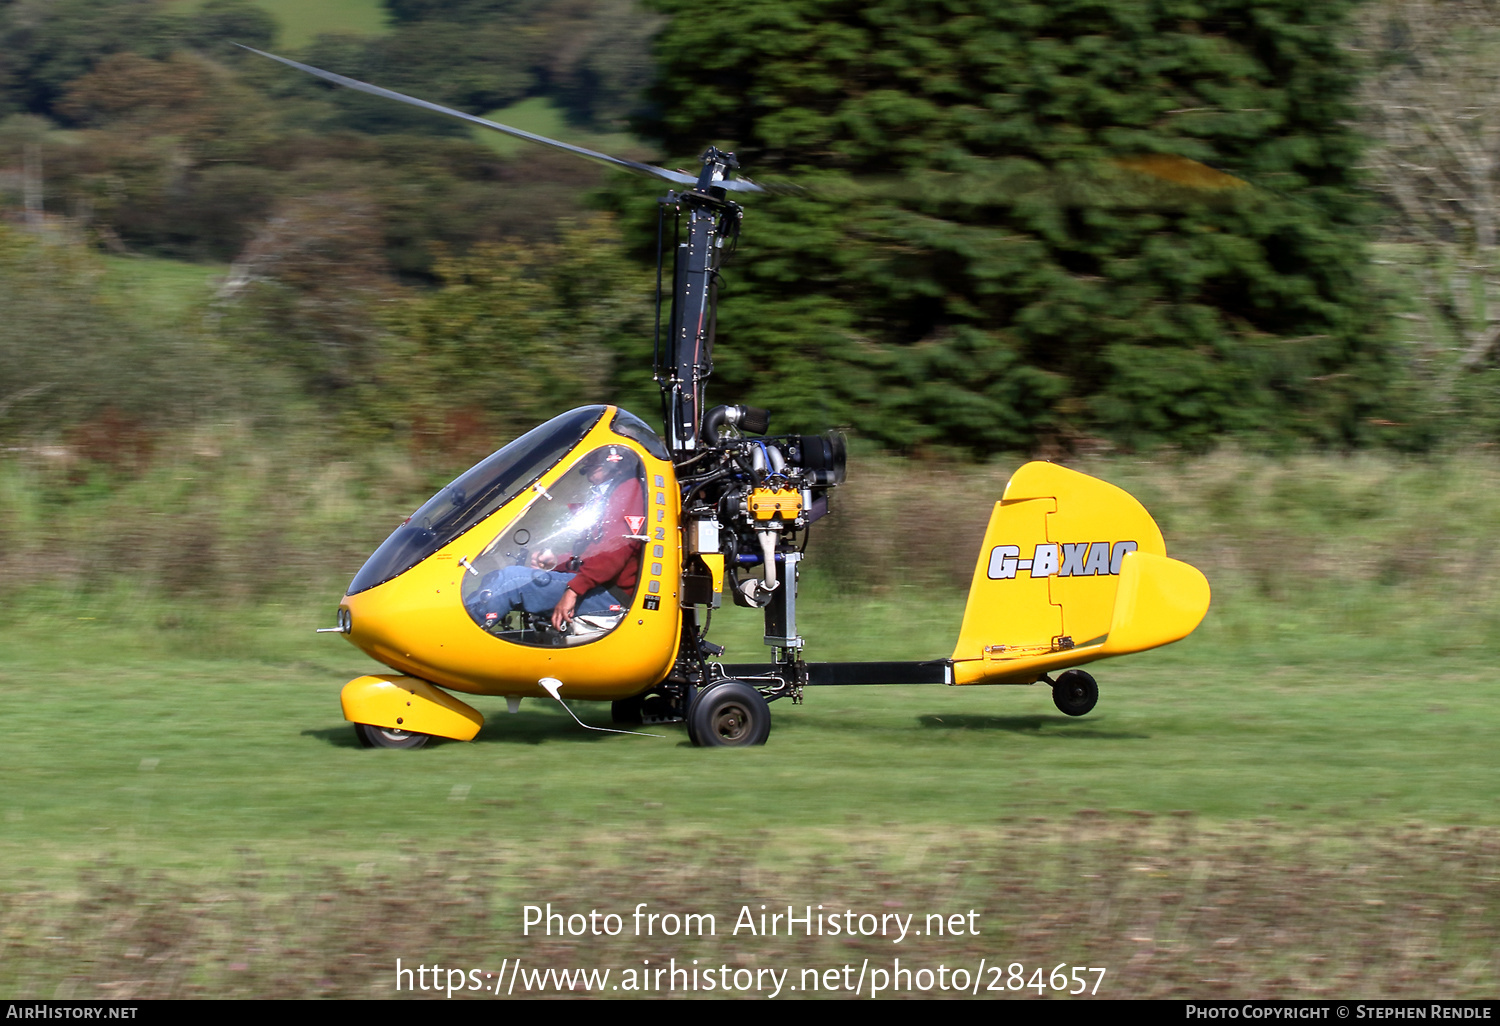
(711, 218)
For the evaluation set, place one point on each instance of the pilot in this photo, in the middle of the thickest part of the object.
(608, 558)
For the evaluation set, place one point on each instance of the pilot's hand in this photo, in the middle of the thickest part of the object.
(546, 559)
(562, 613)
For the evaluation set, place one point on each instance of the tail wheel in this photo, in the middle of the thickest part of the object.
(1075, 693)
(729, 715)
(388, 737)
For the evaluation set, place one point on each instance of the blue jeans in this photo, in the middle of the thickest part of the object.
(535, 591)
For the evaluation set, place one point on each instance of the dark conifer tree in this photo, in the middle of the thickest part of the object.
(1019, 235)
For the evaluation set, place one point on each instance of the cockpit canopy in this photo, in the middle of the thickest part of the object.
(475, 494)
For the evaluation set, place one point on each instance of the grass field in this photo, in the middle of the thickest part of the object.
(173, 748)
(1298, 800)
(172, 290)
(1327, 809)
(301, 22)
(541, 116)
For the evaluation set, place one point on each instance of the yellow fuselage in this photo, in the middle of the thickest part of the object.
(416, 622)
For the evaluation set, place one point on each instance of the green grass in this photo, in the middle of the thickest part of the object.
(1229, 822)
(541, 116)
(176, 745)
(300, 22)
(1307, 781)
(163, 291)
(1342, 674)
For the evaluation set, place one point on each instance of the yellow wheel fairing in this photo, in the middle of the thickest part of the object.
(416, 622)
(409, 704)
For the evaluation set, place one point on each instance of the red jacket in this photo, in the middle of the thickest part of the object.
(612, 557)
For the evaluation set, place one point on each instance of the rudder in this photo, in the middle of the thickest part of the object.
(1045, 588)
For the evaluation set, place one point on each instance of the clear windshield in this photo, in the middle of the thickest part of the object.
(584, 534)
(631, 426)
(474, 495)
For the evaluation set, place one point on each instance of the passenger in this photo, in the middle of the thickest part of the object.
(601, 574)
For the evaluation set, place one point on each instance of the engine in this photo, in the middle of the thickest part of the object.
(750, 501)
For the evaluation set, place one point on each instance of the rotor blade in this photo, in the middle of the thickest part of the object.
(650, 170)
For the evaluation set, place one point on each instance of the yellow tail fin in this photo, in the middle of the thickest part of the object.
(1072, 569)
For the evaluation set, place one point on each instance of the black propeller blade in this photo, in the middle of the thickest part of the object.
(678, 178)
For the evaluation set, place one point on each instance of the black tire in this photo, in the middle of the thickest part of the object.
(626, 710)
(729, 715)
(692, 731)
(1075, 693)
(388, 737)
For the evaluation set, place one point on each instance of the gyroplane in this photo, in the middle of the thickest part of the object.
(583, 559)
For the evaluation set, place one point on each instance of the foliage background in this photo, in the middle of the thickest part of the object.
(1013, 238)
(1029, 279)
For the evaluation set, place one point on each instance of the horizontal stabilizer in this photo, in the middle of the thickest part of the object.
(1159, 601)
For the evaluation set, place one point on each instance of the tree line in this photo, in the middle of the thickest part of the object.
(1024, 226)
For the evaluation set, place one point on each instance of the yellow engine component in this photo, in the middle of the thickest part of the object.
(411, 704)
(715, 563)
(774, 503)
(1072, 569)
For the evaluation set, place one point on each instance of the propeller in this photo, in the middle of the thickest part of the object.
(712, 176)
(1145, 181)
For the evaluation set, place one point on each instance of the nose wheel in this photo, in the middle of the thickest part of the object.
(388, 737)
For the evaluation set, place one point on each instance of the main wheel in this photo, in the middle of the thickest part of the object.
(1075, 692)
(388, 737)
(729, 715)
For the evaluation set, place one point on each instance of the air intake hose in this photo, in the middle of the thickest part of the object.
(747, 418)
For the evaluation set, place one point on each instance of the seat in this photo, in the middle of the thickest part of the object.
(588, 627)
